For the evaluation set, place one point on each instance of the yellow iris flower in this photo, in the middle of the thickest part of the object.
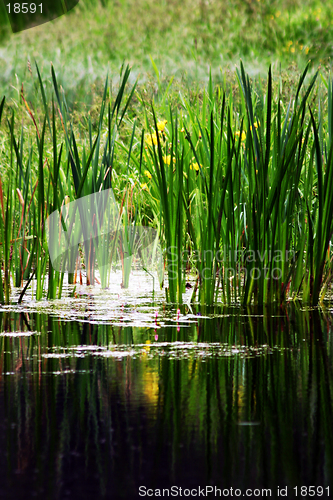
(243, 136)
(167, 159)
(161, 125)
(151, 139)
(194, 166)
(256, 125)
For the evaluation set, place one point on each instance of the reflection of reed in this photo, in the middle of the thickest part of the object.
(91, 422)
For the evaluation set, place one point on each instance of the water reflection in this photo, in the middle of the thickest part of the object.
(97, 410)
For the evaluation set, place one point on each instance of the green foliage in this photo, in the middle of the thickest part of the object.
(31, 190)
(250, 213)
(182, 38)
(237, 186)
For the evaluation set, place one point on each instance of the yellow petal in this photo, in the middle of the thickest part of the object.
(167, 159)
(194, 166)
(161, 125)
(151, 139)
(243, 136)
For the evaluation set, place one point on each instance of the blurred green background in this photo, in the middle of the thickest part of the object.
(184, 39)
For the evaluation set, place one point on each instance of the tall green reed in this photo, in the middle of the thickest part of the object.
(66, 171)
(238, 183)
(166, 162)
(320, 212)
(238, 189)
(274, 155)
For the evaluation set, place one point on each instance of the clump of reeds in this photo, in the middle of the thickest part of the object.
(43, 177)
(251, 190)
(240, 194)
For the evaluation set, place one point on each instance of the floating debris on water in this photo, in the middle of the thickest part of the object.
(179, 350)
(18, 334)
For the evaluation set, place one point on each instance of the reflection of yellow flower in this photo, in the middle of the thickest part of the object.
(147, 347)
(243, 136)
(151, 388)
(148, 174)
(161, 125)
(194, 166)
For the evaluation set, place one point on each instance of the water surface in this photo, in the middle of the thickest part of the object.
(97, 401)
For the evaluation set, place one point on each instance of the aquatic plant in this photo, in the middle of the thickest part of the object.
(66, 172)
(246, 182)
(237, 191)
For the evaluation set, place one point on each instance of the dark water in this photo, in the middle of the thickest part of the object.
(91, 411)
